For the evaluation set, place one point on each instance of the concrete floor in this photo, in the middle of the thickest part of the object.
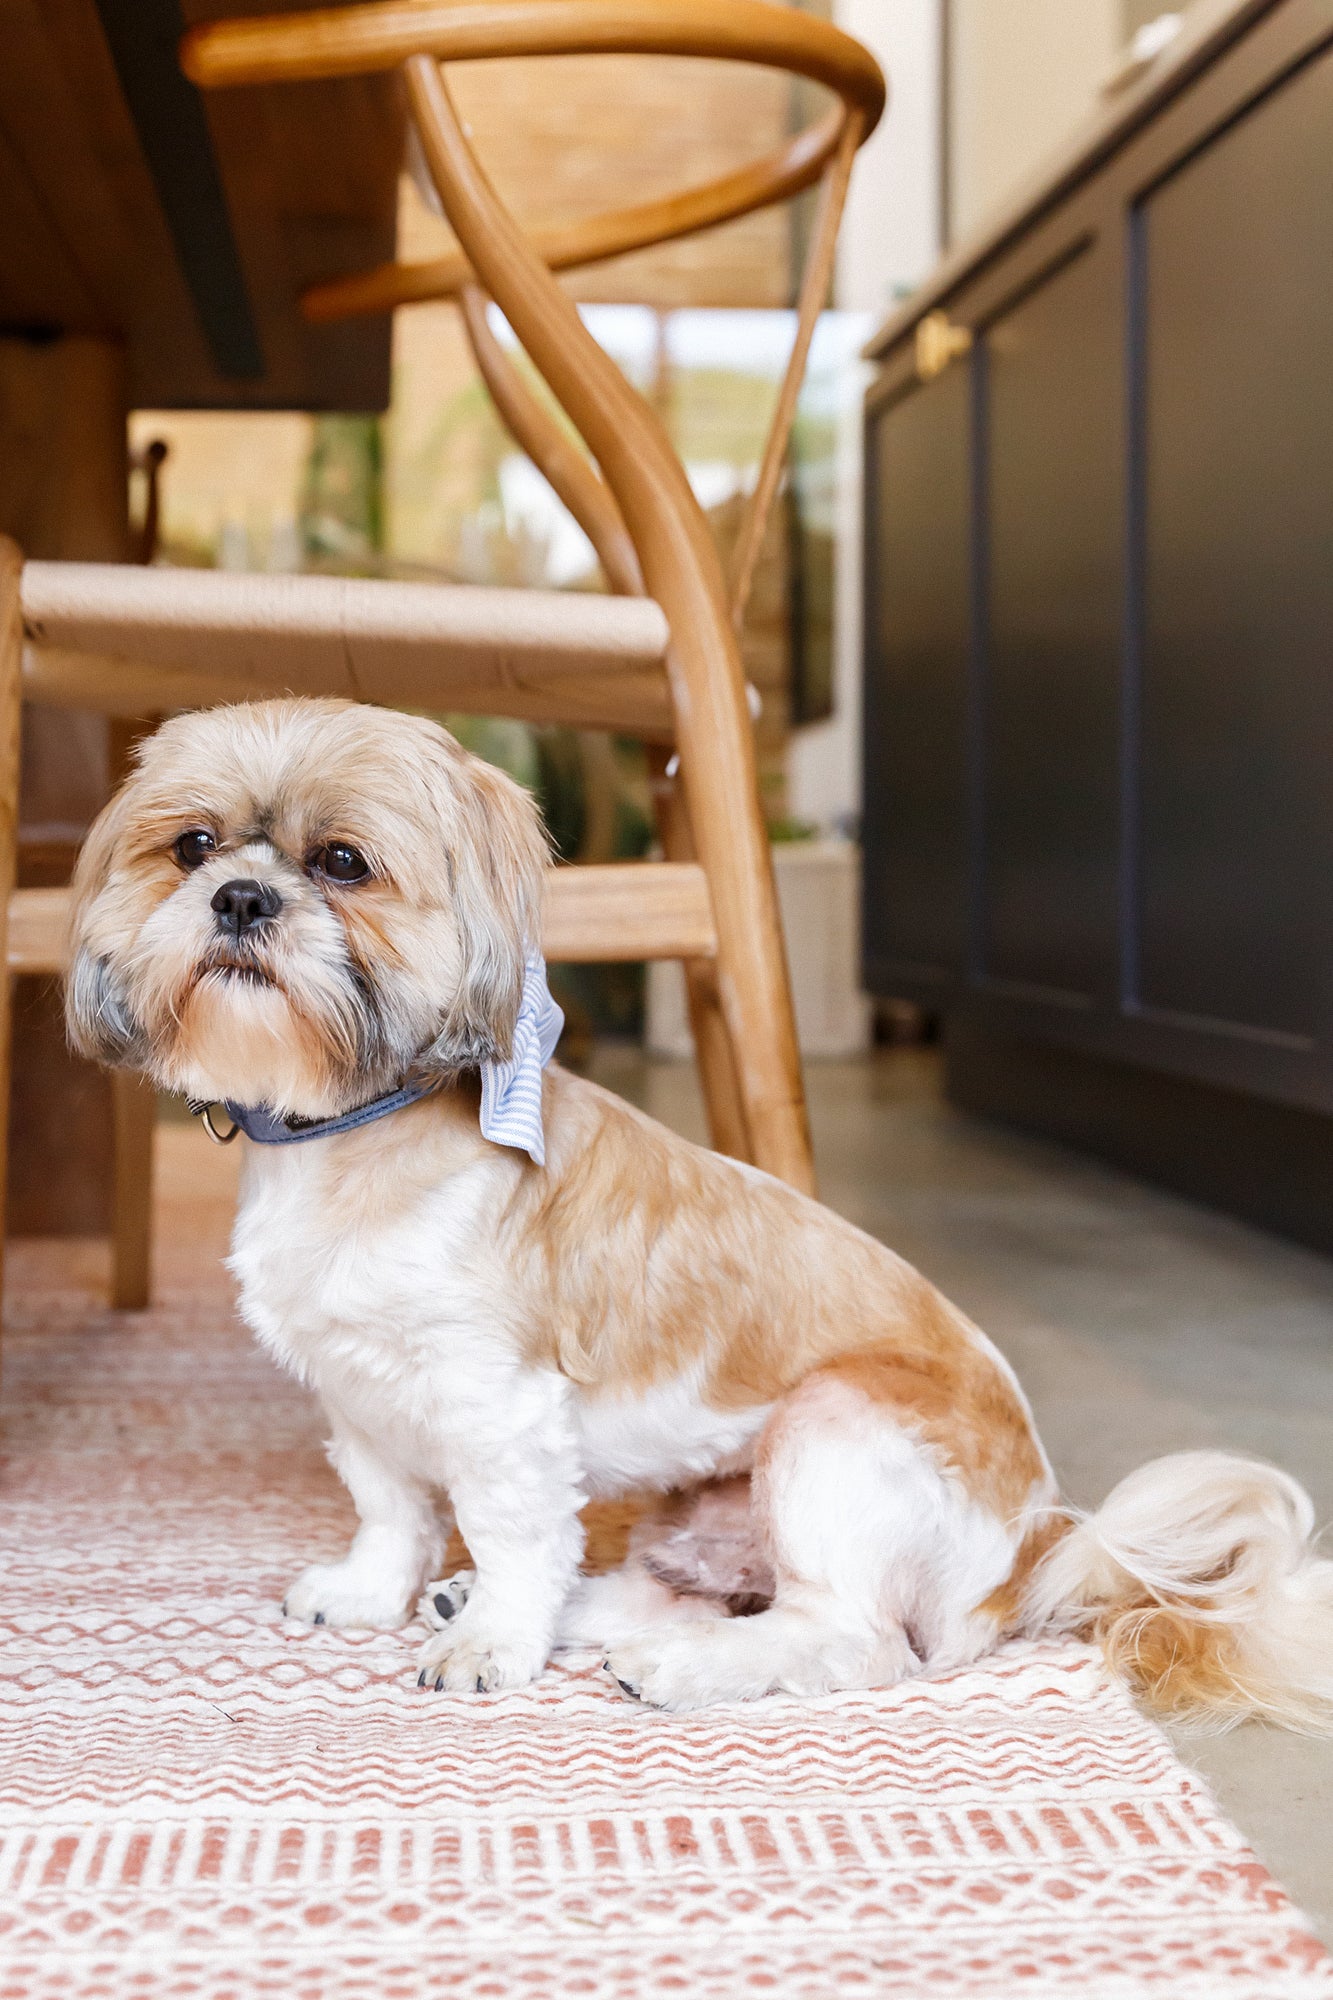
(1138, 1323)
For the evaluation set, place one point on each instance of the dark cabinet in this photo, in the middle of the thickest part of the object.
(1099, 634)
(1048, 372)
(916, 673)
(1234, 252)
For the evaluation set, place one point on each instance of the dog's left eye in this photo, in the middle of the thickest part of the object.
(193, 847)
(340, 862)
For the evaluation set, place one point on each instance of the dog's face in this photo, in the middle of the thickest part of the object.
(293, 903)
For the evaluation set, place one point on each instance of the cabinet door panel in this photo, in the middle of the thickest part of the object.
(1052, 650)
(1236, 821)
(917, 651)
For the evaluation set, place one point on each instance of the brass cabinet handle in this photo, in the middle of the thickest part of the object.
(938, 342)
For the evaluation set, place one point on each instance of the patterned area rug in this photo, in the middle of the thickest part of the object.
(195, 1801)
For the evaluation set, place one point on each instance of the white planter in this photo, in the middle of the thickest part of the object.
(819, 889)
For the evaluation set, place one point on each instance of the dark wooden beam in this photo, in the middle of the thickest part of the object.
(186, 227)
(144, 36)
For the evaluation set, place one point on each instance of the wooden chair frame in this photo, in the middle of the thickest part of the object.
(752, 1071)
(712, 903)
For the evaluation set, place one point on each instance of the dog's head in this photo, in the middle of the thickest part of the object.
(295, 902)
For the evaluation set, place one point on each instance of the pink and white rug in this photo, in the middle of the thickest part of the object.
(195, 1801)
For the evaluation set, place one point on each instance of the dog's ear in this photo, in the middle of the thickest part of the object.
(98, 1019)
(497, 858)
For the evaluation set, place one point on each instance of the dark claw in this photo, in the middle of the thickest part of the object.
(444, 1605)
(318, 1618)
(626, 1687)
(481, 1685)
(439, 1683)
(421, 1678)
(284, 1607)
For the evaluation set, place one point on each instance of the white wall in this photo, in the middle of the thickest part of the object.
(1024, 75)
(891, 228)
(889, 241)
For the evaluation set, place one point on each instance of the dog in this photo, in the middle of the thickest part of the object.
(326, 915)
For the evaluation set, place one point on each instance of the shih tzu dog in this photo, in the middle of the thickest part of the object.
(512, 1291)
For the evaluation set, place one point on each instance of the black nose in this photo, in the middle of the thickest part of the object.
(243, 904)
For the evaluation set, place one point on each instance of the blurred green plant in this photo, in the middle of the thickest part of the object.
(342, 502)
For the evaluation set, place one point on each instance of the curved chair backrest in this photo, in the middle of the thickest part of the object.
(649, 493)
(354, 40)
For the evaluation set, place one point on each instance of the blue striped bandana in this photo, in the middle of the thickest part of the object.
(511, 1092)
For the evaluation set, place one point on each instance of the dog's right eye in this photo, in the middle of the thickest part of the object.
(194, 847)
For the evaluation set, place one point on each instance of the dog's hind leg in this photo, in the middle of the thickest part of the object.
(624, 1603)
(701, 1547)
(868, 1536)
(712, 1547)
(599, 1610)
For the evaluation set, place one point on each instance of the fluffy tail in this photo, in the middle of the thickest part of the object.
(1199, 1579)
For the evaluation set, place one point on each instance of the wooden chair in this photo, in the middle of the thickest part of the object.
(659, 660)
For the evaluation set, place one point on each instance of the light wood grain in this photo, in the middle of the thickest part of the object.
(37, 930)
(632, 701)
(583, 491)
(354, 41)
(627, 910)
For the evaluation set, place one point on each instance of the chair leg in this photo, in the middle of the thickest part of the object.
(135, 1112)
(721, 794)
(713, 1052)
(727, 1125)
(721, 798)
(11, 698)
(755, 1001)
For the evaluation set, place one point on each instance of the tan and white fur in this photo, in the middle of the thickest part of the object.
(857, 1490)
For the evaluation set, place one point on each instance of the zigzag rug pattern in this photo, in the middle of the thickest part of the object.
(197, 1803)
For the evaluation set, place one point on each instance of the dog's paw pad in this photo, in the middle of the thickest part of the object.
(442, 1601)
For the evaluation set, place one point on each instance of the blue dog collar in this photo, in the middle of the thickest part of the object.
(265, 1128)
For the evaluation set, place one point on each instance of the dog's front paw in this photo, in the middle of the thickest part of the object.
(473, 1656)
(441, 1602)
(673, 1670)
(340, 1594)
